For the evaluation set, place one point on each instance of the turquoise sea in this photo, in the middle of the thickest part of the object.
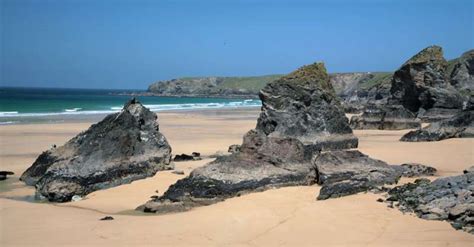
(17, 104)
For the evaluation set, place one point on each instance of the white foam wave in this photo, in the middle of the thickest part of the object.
(152, 107)
(73, 110)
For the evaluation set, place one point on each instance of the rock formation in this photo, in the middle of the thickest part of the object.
(123, 147)
(461, 72)
(300, 116)
(387, 117)
(344, 173)
(303, 105)
(446, 198)
(459, 126)
(422, 83)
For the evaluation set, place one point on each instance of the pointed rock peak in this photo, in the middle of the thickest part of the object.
(136, 108)
(430, 53)
(313, 75)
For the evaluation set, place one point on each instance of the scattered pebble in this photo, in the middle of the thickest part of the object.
(107, 218)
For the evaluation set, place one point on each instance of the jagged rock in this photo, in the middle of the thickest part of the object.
(385, 118)
(462, 72)
(417, 170)
(123, 147)
(263, 162)
(421, 82)
(5, 174)
(469, 170)
(344, 173)
(303, 105)
(459, 126)
(447, 198)
(234, 148)
(300, 116)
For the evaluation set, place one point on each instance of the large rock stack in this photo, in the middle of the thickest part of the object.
(123, 147)
(421, 89)
(300, 117)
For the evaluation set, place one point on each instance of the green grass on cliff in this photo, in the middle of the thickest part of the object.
(251, 83)
(378, 79)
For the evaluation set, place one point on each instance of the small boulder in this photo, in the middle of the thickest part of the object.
(234, 148)
(4, 174)
(107, 218)
(417, 170)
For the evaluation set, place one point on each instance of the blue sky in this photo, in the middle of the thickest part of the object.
(129, 44)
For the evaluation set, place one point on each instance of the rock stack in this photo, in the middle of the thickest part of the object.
(300, 117)
(123, 147)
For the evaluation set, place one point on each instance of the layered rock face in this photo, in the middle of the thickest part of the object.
(303, 105)
(462, 72)
(385, 118)
(447, 198)
(344, 173)
(300, 116)
(123, 147)
(459, 126)
(422, 83)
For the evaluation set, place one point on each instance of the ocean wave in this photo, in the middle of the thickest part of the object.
(152, 107)
(73, 110)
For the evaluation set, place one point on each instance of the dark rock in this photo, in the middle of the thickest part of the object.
(421, 82)
(393, 117)
(469, 170)
(300, 116)
(447, 198)
(183, 157)
(303, 105)
(178, 172)
(461, 72)
(123, 147)
(5, 174)
(380, 200)
(263, 162)
(344, 173)
(234, 148)
(107, 218)
(196, 154)
(459, 126)
(417, 170)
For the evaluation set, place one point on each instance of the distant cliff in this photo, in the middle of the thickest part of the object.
(345, 84)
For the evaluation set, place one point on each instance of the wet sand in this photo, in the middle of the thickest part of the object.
(280, 217)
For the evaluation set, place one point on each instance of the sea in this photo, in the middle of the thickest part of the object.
(25, 105)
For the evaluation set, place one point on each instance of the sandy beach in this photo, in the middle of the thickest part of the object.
(288, 216)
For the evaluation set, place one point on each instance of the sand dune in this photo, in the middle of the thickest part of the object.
(279, 217)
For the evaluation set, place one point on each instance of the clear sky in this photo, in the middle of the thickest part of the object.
(129, 44)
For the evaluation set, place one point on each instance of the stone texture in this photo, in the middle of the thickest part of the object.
(462, 72)
(303, 105)
(459, 126)
(385, 118)
(421, 82)
(446, 198)
(123, 147)
(344, 173)
(416, 170)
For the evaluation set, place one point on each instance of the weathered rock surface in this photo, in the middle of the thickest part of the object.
(187, 157)
(387, 117)
(344, 173)
(417, 170)
(263, 162)
(462, 72)
(447, 198)
(303, 105)
(300, 116)
(421, 82)
(123, 147)
(234, 148)
(459, 126)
